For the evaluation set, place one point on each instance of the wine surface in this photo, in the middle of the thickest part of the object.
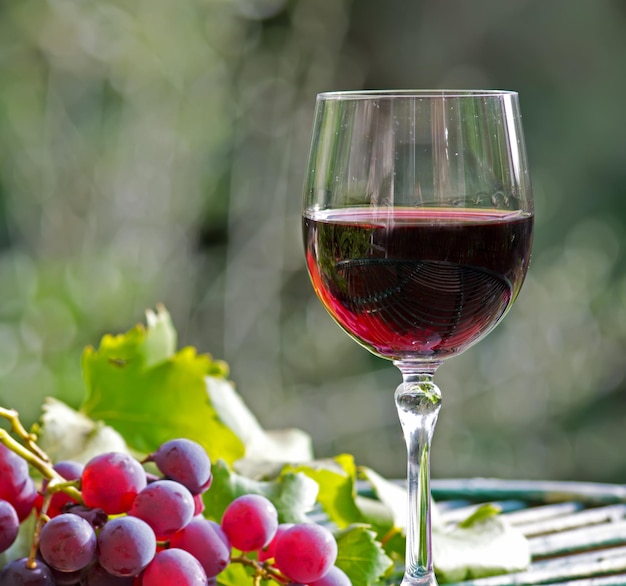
(417, 283)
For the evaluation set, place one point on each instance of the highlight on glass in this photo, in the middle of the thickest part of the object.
(417, 226)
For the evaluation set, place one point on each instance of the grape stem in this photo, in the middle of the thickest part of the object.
(34, 455)
(29, 439)
(41, 521)
(262, 571)
(38, 459)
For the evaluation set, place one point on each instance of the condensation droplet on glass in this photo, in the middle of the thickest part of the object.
(498, 195)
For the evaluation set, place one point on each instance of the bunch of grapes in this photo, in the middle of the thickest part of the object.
(111, 523)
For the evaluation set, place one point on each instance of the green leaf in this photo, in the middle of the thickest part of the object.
(137, 385)
(490, 546)
(376, 514)
(337, 493)
(390, 494)
(360, 556)
(289, 445)
(235, 575)
(394, 496)
(293, 494)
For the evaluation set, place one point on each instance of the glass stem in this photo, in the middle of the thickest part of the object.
(418, 401)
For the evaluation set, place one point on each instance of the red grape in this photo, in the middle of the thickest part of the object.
(165, 505)
(250, 522)
(306, 552)
(174, 566)
(269, 551)
(111, 482)
(198, 504)
(220, 533)
(184, 461)
(126, 545)
(334, 577)
(67, 543)
(9, 525)
(206, 541)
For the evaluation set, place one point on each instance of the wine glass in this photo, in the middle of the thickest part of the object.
(417, 225)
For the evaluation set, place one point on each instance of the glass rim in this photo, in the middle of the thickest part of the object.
(413, 93)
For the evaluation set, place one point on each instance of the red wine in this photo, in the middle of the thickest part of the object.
(418, 283)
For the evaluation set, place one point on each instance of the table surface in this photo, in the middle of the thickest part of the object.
(576, 530)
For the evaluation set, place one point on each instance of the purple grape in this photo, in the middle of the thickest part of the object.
(220, 533)
(184, 461)
(67, 543)
(66, 578)
(18, 573)
(306, 552)
(126, 545)
(206, 541)
(9, 525)
(334, 577)
(174, 566)
(96, 575)
(166, 506)
(152, 477)
(69, 469)
(111, 482)
(95, 517)
(250, 522)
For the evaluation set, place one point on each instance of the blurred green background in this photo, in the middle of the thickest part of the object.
(153, 151)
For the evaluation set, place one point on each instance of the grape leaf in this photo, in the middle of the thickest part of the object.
(66, 434)
(337, 493)
(289, 445)
(293, 494)
(138, 385)
(376, 514)
(235, 575)
(490, 546)
(391, 494)
(360, 556)
(481, 545)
